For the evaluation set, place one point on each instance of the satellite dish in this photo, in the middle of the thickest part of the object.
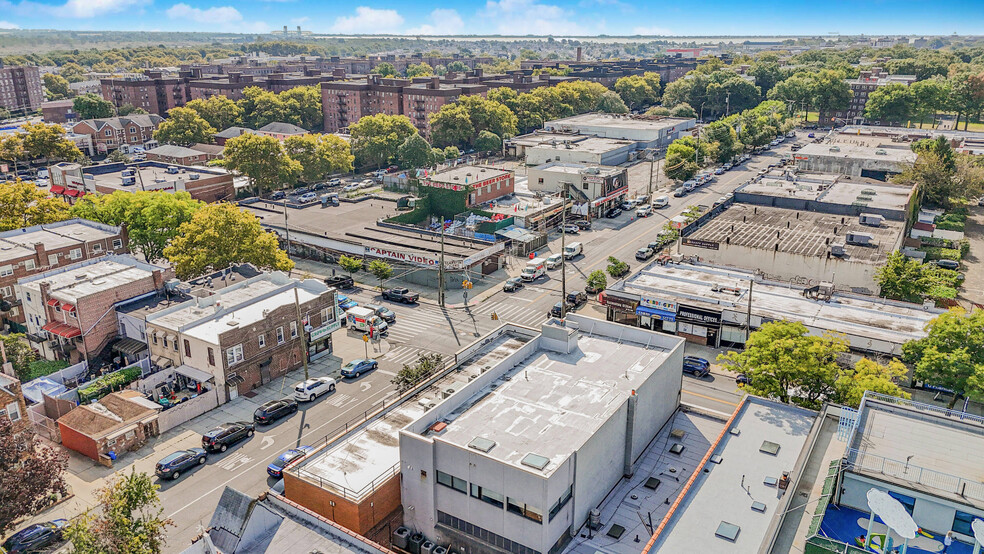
(893, 513)
(978, 527)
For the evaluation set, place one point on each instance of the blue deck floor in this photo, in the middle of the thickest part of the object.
(844, 524)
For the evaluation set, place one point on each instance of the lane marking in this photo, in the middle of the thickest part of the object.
(704, 396)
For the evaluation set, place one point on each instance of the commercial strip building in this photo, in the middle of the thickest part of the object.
(652, 132)
(877, 162)
(708, 305)
(594, 188)
(584, 149)
(481, 184)
(207, 184)
(32, 250)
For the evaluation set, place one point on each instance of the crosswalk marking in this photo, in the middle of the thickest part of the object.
(514, 313)
(234, 461)
(339, 399)
(404, 354)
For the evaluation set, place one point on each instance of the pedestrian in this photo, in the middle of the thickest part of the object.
(947, 541)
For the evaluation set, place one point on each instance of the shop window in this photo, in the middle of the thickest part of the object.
(961, 523)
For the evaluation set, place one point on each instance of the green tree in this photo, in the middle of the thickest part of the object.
(933, 178)
(488, 141)
(680, 162)
(130, 109)
(869, 375)
(597, 280)
(218, 111)
(128, 520)
(350, 264)
(635, 91)
(152, 218)
(262, 159)
(385, 69)
(411, 375)
(302, 107)
(892, 103)
(929, 97)
(220, 235)
(661, 111)
(23, 205)
(261, 107)
(726, 139)
(56, 86)
(72, 72)
(381, 271)
(415, 152)
(783, 361)
(452, 153)
(683, 110)
(319, 155)
(830, 93)
(616, 268)
(12, 149)
(951, 355)
(451, 125)
(901, 278)
(457, 66)
(91, 106)
(797, 91)
(27, 481)
(48, 141)
(611, 102)
(20, 354)
(967, 92)
(376, 138)
(422, 69)
(184, 127)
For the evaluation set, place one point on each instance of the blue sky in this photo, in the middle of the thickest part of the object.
(540, 17)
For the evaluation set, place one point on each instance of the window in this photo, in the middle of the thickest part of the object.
(52, 259)
(234, 355)
(6, 270)
(453, 482)
(187, 348)
(165, 342)
(907, 501)
(13, 412)
(175, 344)
(485, 495)
(280, 335)
(961, 523)
(293, 329)
(117, 244)
(29, 265)
(522, 509)
(154, 336)
(97, 248)
(5, 291)
(28, 296)
(75, 254)
(262, 340)
(211, 356)
(561, 502)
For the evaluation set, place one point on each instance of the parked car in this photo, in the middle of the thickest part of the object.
(554, 260)
(720, 201)
(583, 224)
(171, 466)
(388, 315)
(340, 282)
(274, 410)
(300, 191)
(226, 435)
(728, 166)
(334, 182)
(571, 229)
(680, 192)
(644, 253)
(307, 197)
(276, 467)
(401, 294)
(644, 211)
(948, 264)
(512, 284)
(661, 202)
(592, 290)
(358, 366)
(577, 299)
(627, 205)
(613, 213)
(346, 303)
(719, 171)
(366, 183)
(319, 186)
(350, 188)
(698, 367)
(811, 135)
(313, 388)
(35, 537)
(278, 195)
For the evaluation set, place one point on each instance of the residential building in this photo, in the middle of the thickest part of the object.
(426, 96)
(652, 132)
(232, 132)
(482, 184)
(281, 131)
(90, 86)
(179, 155)
(670, 68)
(116, 423)
(21, 90)
(877, 162)
(208, 184)
(12, 404)
(868, 81)
(231, 86)
(248, 333)
(58, 111)
(119, 132)
(31, 250)
(594, 188)
(67, 307)
(153, 91)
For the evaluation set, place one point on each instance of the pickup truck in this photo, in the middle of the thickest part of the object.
(340, 281)
(401, 295)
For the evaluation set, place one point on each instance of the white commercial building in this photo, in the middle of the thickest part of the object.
(600, 186)
(516, 459)
(876, 162)
(585, 149)
(646, 131)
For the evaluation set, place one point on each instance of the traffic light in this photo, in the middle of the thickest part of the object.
(494, 316)
(466, 284)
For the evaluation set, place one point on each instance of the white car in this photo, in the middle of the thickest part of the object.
(350, 188)
(307, 197)
(644, 211)
(307, 391)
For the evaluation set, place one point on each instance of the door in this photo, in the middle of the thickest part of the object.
(233, 392)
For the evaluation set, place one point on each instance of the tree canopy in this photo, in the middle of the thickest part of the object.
(92, 106)
(262, 159)
(22, 205)
(319, 155)
(376, 138)
(951, 355)
(184, 127)
(220, 112)
(29, 473)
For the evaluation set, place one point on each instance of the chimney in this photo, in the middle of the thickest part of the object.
(41, 253)
(338, 72)
(435, 82)
(158, 280)
(234, 76)
(579, 53)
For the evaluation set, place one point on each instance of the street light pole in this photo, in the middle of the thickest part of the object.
(300, 321)
(440, 269)
(563, 258)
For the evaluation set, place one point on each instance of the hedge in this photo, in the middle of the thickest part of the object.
(109, 383)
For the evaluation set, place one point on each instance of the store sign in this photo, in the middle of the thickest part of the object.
(698, 316)
(614, 194)
(620, 303)
(325, 330)
(697, 243)
(657, 304)
(399, 255)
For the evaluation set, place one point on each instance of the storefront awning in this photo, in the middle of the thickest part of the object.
(62, 330)
(57, 189)
(656, 314)
(193, 373)
(72, 192)
(129, 346)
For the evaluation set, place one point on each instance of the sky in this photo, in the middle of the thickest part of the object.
(506, 17)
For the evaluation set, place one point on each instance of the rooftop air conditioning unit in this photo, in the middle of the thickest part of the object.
(873, 220)
(835, 149)
(881, 152)
(837, 250)
(194, 176)
(860, 239)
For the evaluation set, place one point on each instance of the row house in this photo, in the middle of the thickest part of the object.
(32, 250)
(119, 422)
(12, 404)
(248, 333)
(115, 132)
(70, 310)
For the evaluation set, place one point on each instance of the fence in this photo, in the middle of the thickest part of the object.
(189, 409)
(949, 413)
(348, 493)
(43, 425)
(860, 461)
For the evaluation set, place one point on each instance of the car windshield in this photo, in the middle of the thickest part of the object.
(350, 365)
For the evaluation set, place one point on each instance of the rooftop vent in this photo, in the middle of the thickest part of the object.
(535, 461)
(835, 149)
(484, 445)
(873, 220)
(860, 239)
(727, 531)
(880, 152)
(769, 447)
(232, 323)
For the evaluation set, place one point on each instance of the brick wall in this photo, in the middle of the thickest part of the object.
(78, 442)
(360, 517)
(17, 397)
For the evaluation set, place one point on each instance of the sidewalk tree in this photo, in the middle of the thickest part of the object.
(12, 149)
(263, 160)
(351, 264)
(616, 268)
(783, 361)
(830, 92)
(901, 278)
(488, 141)
(381, 271)
(30, 472)
(218, 111)
(597, 280)
(451, 125)
(23, 205)
(376, 138)
(184, 127)
(869, 375)
(319, 155)
(92, 106)
(726, 139)
(610, 102)
(951, 355)
(128, 519)
(679, 163)
(452, 153)
(415, 152)
(412, 375)
(460, 122)
(220, 235)
(56, 86)
(47, 140)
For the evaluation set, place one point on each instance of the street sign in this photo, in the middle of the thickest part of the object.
(365, 338)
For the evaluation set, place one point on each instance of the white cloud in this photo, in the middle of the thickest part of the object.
(8, 25)
(300, 20)
(529, 17)
(92, 8)
(442, 22)
(221, 17)
(651, 31)
(368, 21)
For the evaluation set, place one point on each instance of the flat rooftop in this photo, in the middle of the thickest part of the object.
(728, 491)
(17, 243)
(898, 153)
(860, 316)
(591, 144)
(152, 178)
(598, 119)
(551, 403)
(831, 189)
(798, 232)
(369, 455)
(80, 281)
(570, 168)
(473, 173)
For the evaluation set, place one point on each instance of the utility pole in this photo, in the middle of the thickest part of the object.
(563, 258)
(440, 269)
(304, 344)
(727, 104)
(286, 232)
(748, 313)
(652, 167)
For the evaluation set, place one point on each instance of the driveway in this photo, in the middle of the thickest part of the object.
(972, 291)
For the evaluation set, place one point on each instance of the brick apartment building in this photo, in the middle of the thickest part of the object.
(31, 250)
(58, 111)
(867, 82)
(482, 184)
(109, 134)
(153, 92)
(21, 89)
(231, 86)
(69, 310)
(670, 68)
(245, 334)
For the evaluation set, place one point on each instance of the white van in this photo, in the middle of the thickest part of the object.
(572, 250)
(363, 318)
(661, 202)
(534, 269)
(554, 261)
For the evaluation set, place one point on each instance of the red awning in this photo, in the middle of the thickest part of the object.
(68, 307)
(57, 189)
(71, 192)
(52, 302)
(62, 330)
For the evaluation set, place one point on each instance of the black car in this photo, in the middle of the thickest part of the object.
(320, 186)
(35, 537)
(173, 465)
(227, 434)
(584, 224)
(613, 213)
(577, 299)
(340, 281)
(512, 284)
(274, 410)
(278, 195)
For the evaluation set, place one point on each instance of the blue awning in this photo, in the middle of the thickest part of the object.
(657, 314)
